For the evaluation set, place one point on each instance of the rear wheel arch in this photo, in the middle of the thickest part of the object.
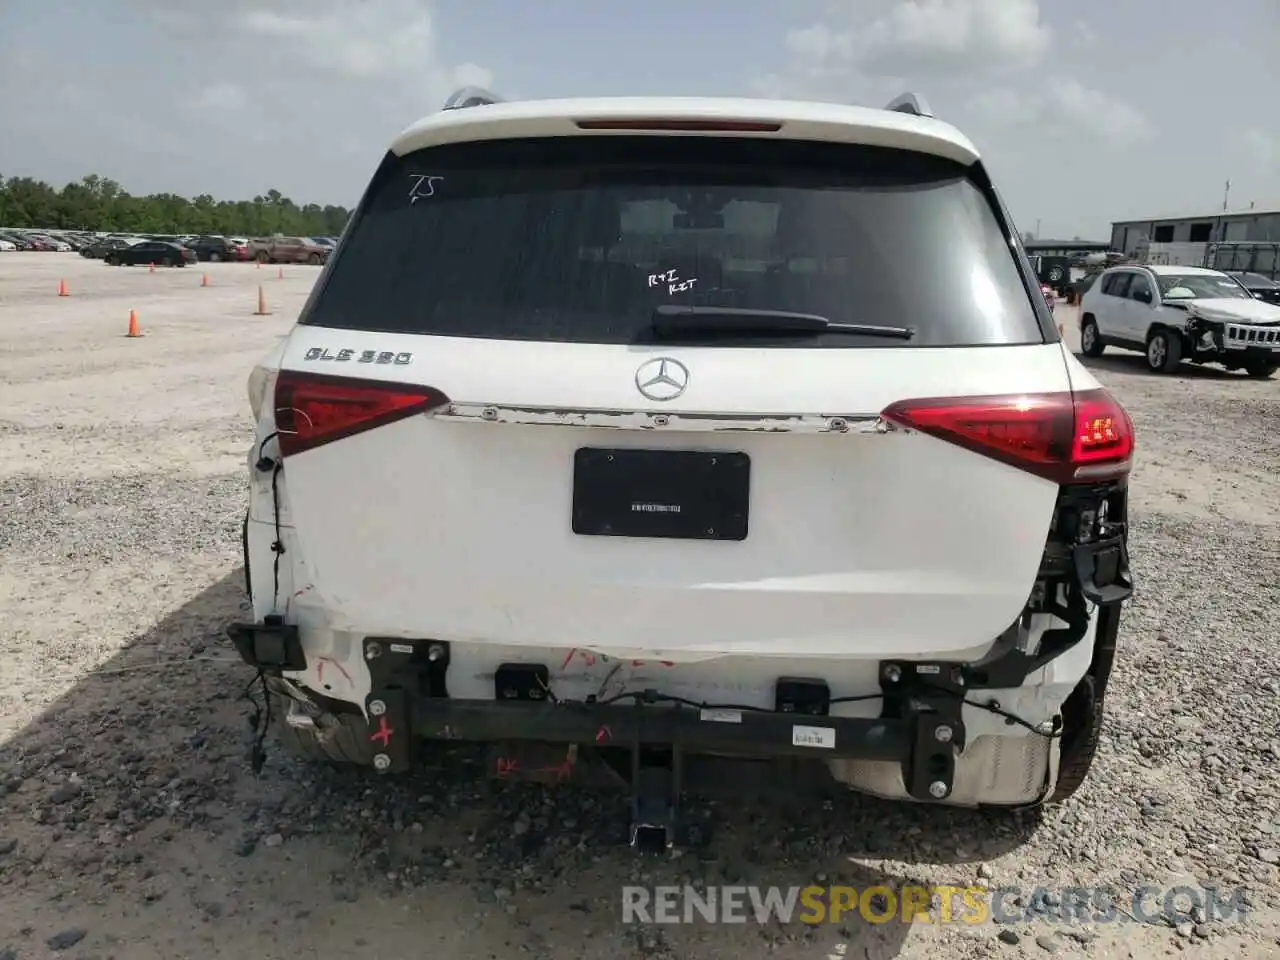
(1090, 315)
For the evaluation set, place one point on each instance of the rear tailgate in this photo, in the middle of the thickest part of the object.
(522, 288)
(461, 527)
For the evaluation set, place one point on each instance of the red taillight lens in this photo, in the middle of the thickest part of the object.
(314, 409)
(1068, 439)
(690, 126)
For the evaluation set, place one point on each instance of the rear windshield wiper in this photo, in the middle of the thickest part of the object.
(674, 319)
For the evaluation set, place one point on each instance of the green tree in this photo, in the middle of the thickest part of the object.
(98, 203)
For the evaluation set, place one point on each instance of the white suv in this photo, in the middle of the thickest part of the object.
(630, 435)
(1175, 313)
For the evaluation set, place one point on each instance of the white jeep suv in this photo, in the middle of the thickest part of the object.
(631, 435)
(1176, 313)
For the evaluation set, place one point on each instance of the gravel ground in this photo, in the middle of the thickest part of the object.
(132, 827)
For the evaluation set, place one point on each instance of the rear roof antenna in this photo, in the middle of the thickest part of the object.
(471, 97)
(910, 103)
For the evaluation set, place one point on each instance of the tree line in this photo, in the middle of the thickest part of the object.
(99, 204)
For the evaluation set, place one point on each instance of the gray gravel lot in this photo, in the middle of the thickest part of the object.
(132, 827)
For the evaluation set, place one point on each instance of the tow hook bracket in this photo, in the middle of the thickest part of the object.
(931, 697)
(390, 737)
(655, 797)
(655, 804)
(932, 770)
(269, 645)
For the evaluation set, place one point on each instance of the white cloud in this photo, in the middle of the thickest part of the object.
(1083, 108)
(1061, 106)
(312, 90)
(925, 38)
(319, 59)
(361, 40)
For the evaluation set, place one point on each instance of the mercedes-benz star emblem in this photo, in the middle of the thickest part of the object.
(662, 378)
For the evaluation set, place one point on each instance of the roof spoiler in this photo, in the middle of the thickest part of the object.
(471, 97)
(910, 103)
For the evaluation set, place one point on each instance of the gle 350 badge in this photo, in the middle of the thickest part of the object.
(359, 356)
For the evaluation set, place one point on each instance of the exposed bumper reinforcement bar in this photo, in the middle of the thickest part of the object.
(759, 732)
(923, 740)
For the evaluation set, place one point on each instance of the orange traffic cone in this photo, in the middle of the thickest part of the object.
(280, 274)
(133, 324)
(262, 310)
(153, 267)
(62, 289)
(204, 279)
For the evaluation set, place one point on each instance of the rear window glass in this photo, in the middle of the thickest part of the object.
(579, 239)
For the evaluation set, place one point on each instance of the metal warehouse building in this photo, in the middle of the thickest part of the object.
(1130, 236)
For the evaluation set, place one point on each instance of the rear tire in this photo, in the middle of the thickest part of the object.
(345, 744)
(1164, 351)
(314, 259)
(1082, 717)
(1091, 344)
(263, 257)
(1260, 370)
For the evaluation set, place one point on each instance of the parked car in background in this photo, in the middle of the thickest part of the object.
(288, 250)
(214, 249)
(18, 240)
(159, 252)
(1050, 270)
(1175, 313)
(100, 248)
(1263, 288)
(8, 246)
(43, 243)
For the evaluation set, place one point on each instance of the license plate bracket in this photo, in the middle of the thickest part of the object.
(661, 494)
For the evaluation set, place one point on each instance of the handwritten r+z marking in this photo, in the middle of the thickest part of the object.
(673, 282)
(423, 186)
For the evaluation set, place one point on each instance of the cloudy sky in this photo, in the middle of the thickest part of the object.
(1088, 111)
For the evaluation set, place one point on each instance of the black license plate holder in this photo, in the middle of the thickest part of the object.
(662, 494)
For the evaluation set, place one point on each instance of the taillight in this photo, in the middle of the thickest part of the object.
(315, 409)
(1068, 439)
(690, 126)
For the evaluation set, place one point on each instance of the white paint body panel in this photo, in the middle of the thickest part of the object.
(862, 545)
